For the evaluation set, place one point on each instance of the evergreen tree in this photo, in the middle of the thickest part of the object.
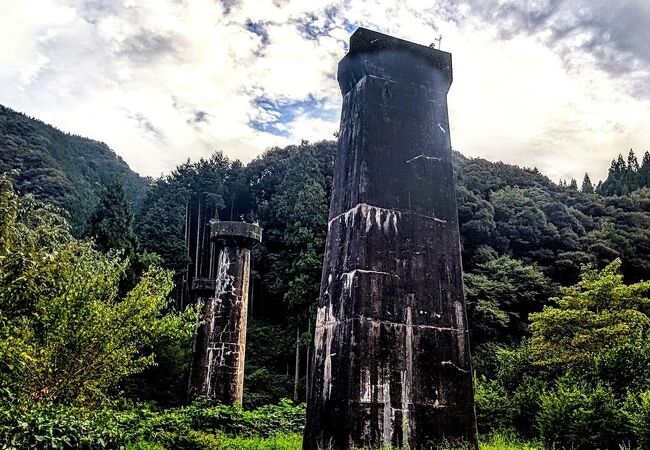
(617, 178)
(644, 171)
(111, 222)
(587, 187)
(632, 173)
(574, 184)
(632, 163)
(620, 165)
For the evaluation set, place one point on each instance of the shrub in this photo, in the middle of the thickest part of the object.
(265, 421)
(276, 442)
(578, 417)
(188, 440)
(142, 445)
(51, 426)
(57, 427)
(637, 411)
(525, 405)
(624, 367)
(493, 405)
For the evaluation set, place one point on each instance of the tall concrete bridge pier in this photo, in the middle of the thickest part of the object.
(392, 363)
(219, 348)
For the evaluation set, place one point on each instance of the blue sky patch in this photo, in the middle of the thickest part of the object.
(275, 115)
(259, 29)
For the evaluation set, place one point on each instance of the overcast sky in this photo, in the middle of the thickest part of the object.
(563, 85)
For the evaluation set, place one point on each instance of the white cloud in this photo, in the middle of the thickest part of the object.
(161, 81)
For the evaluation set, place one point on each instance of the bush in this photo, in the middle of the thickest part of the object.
(57, 427)
(276, 442)
(637, 411)
(624, 367)
(578, 417)
(188, 440)
(265, 421)
(493, 405)
(193, 427)
(525, 405)
(142, 445)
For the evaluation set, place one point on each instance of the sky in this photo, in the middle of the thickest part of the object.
(561, 85)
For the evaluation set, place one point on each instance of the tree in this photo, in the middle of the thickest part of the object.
(60, 168)
(587, 187)
(598, 313)
(573, 185)
(632, 163)
(67, 336)
(111, 222)
(644, 171)
(302, 207)
(501, 293)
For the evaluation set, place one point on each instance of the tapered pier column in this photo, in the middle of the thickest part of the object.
(392, 363)
(219, 348)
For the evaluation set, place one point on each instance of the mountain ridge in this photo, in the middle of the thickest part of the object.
(65, 169)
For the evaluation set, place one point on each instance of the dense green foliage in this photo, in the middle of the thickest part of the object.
(626, 177)
(67, 170)
(67, 336)
(200, 426)
(582, 381)
(558, 314)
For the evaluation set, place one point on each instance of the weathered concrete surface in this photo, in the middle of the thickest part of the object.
(392, 363)
(219, 349)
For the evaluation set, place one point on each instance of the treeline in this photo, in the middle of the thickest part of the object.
(626, 177)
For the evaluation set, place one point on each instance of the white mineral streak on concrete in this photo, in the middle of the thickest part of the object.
(366, 387)
(428, 158)
(223, 285)
(329, 285)
(365, 210)
(323, 338)
(348, 278)
(441, 128)
(388, 413)
(458, 310)
(399, 324)
(450, 363)
(387, 221)
(352, 212)
(407, 375)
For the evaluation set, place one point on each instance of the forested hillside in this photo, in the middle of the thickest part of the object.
(61, 168)
(557, 307)
(523, 236)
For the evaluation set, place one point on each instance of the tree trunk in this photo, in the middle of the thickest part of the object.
(308, 361)
(198, 233)
(297, 368)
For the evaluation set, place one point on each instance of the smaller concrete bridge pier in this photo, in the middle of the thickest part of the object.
(218, 361)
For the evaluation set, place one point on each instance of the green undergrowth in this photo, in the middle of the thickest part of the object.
(293, 441)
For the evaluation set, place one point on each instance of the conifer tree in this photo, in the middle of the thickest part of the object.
(644, 171)
(632, 173)
(111, 222)
(587, 187)
(573, 185)
(632, 163)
